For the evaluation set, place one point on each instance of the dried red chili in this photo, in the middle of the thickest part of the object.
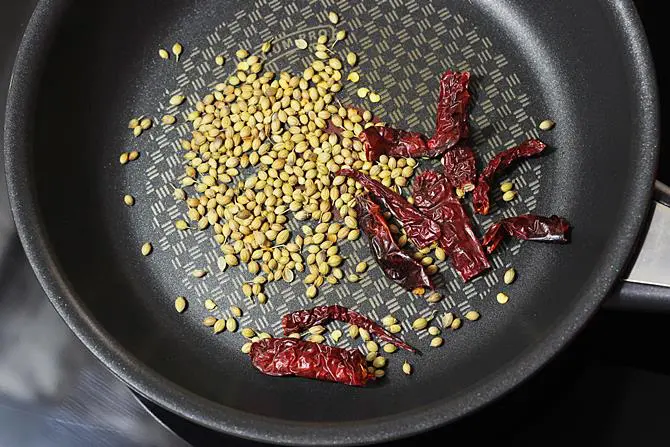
(480, 196)
(420, 230)
(434, 197)
(397, 265)
(384, 140)
(460, 168)
(301, 320)
(452, 112)
(527, 227)
(291, 357)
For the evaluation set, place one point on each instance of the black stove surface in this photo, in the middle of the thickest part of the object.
(610, 387)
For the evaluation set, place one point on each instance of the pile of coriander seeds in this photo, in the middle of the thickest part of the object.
(264, 149)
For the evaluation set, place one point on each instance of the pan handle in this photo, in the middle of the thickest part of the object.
(646, 287)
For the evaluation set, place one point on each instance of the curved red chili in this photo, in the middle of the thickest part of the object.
(434, 197)
(291, 357)
(452, 112)
(480, 196)
(420, 230)
(527, 227)
(301, 320)
(397, 265)
(460, 168)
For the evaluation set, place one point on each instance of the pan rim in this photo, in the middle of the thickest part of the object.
(20, 106)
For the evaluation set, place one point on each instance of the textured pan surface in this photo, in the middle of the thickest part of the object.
(70, 102)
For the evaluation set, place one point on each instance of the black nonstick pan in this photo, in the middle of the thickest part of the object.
(85, 68)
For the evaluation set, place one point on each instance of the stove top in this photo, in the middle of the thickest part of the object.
(610, 387)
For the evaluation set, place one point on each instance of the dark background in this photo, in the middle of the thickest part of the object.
(610, 387)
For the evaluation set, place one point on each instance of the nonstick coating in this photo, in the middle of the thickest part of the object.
(85, 68)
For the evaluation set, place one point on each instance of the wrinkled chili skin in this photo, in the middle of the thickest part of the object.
(451, 124)
(480, 196)
(434, 196)
(420, 230)
(301, 320)
(291, 357)
(397, 265)
(384, 140)
(527, 227)
(460, 168)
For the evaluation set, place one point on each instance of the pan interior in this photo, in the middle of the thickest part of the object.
(562, 61)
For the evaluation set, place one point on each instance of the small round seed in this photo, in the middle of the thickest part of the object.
(379, 362)
(123, 158)
(389, 348)
(395, 328)
(180, 304)
(372, 346)
(434, 297)
(365, 335)
(266, 47)
(247, 290)
(506, 186)
(198, 273)
(379, 373)
(177, 100)
(242, 53)
(336, 335)
(219, 60)
(389, 320)
(419, 324)
(472, 315)
(311, 291)
(210, 304)
(436, 342)
(147, 248)
(440, 254)
(262, 298)
(456, 323)
(294, 335)
(168, 119)
(353, 77)
(353, 331)
(163, 54)
(341, 35)
(316, 338)
(374, 97)
(133, 155)
(209, 321)
(316, 330)
(181, 225)
(219, 326)
(434, 330)
(509, 196)
(352, 58)
(247, 332)
(333, 17)
(547, 125)
(370, 356)
(510, 276)
(236, 311)
(129, 200)
(362, 267)
(447, 319)
(177, 49)
(407, 368)
(231, 324)
(353, 278)
(301, 44)
(362, 92)
(146, 123)
(502, 298)
(246, 348)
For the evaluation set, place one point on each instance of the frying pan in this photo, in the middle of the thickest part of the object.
(85, 68)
